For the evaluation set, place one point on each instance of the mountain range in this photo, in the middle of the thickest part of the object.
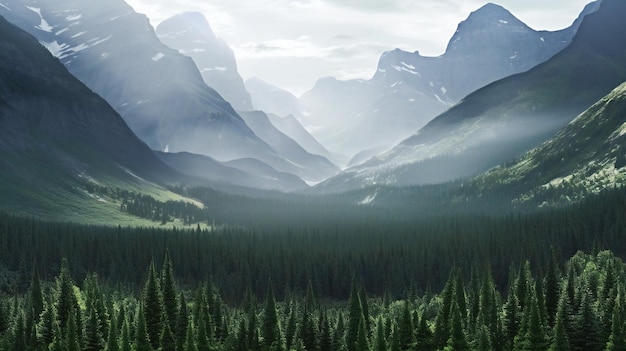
(58, 138)
(549, 134)
(365, 117)
(506, 118)
(159, 92)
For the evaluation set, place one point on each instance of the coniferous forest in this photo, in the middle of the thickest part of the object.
(526, 281)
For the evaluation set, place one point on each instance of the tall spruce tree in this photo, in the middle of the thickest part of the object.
(153, 307)
(354, 317)
(458, 339)
(169, 292)
(270, 330)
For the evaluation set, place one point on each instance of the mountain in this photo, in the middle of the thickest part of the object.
(158, 91)
(292, 128)
(310, 167)
(408, 89)
(272, 99)
(236, 176)
(58, 139)
(587, 156)
(506, 118)
(191, 34)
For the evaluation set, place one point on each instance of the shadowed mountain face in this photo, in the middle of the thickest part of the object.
(56, 135)
(408, 90)
(191, 34)
(506, 118)
(587, 156)
(158, 91)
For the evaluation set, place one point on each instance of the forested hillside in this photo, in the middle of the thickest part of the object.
(452, 281)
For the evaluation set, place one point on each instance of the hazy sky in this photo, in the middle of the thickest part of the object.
(292, 43)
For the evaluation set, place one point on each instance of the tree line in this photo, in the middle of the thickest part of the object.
(575, 306)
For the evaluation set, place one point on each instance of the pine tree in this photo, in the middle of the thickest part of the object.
(94, 340)
(72, 338)
(424, 336)
(270, 329)
(167, 341)
(35, 295)
(535, 338)
(587, 335)
(47, 323)
(559, 335)
(202, 338)
(325, 339)
(142, 340)
(458, 339)
(362, 343)
(552, 292)
(182, 320)
(354, 318)
(169, 292)
(190, 343)
(153, 308)
(617, 341)
(19, 337)
(125, 342)
(290, 330)
(380, 344)
(442, 323)
(66, 303)
(112, 339)
(405, 328)
(365, 309)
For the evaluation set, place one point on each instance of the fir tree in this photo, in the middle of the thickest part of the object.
(354, 318)
(362, 343)
(142, 341)
(190, 343)
(535, 338)
(380, 343)
(93, 338)
(169, 292)
(405, 328)
(325, 338)
(458, 339)
(72, 338)
(559, 335)
(112, 339)
(125, 339)
(153, 308)
(167, 341)
(424, 336)
(66, 304)
(270, 329)
(617, 341)
(182, 320)
(35, 295)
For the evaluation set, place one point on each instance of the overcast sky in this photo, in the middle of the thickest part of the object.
(292, 43)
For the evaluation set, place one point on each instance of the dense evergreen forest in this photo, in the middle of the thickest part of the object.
(451, 281)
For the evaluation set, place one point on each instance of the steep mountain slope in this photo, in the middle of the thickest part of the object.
(191, 34)
(242, 174)
(587, 156)
(408, 89)
(158, 91)
(312, 168)
(292, 128)
(58, 138)
(508, 117)
(271, 99)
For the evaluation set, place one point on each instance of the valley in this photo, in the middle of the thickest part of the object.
(153, 197)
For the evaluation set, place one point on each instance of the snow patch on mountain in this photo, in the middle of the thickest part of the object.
(43, 25)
